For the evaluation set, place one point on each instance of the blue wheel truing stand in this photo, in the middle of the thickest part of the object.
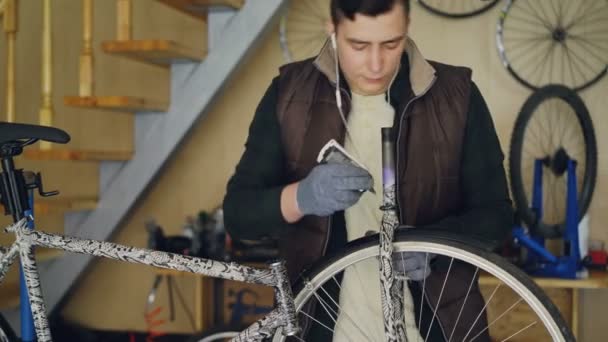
(539, 261)
(28, 332)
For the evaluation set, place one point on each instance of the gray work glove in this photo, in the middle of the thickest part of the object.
(332, 187)
(413, 265)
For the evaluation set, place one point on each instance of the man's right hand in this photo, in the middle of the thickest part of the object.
(331, 187)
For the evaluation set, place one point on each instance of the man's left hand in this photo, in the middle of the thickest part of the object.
(413, 265)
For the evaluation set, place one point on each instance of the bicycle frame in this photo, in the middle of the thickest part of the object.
(276, 275)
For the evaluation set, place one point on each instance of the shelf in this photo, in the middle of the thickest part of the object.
(596, 280)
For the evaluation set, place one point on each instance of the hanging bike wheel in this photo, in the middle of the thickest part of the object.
(553, 126)
(554, 42)
(302, 32)
(457, 9)
(507, 291)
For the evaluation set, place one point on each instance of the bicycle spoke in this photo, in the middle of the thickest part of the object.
(496, 319)
(445, 280)
(581, 61)
(561, 12)
(551, 58)
(317, 321)
(542, 12)
(536, 33)
(520, 331)
(594, 70)
(595, 20)
(576, 16)
(422, 301)
(544, 23)
(542, 136)
(523, 20)
(557, 14)
(564, 126)
(525, 59)
(589, 43)
(463, 303)
(591, 9)
(570, 65)
(482, 311)
(345, 313)
(326, 308)
(315, 10)
(543, 63)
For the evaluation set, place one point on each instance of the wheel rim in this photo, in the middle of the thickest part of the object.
(506, 280)
(302, 29)
(457, 9)
(552, 130)
(547, 42)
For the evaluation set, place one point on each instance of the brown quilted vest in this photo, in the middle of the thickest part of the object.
(431, 121)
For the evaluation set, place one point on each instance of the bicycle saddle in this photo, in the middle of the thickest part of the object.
(15, 132)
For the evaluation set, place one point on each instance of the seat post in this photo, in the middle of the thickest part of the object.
(13, 188)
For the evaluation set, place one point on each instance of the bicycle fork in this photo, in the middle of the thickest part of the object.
(391, 289)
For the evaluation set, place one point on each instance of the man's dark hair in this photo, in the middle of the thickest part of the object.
(348, 8)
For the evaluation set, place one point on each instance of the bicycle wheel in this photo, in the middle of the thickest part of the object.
(554, 42)
(538, 316)
(302, 31)
(553, 126)
(457, 9)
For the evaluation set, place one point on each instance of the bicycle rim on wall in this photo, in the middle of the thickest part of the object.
(303, 29)
(457, 9)
(554, 42)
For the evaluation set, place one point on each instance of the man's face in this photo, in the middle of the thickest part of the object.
(370, 49)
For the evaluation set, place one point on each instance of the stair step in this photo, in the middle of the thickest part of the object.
(116, 103)
(76, 155)
(51, 206)
(198, 8)
(160, 52)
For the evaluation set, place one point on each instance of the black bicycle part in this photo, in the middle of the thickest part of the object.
(555, 160)
(473, 244)
(15, 183)
(445, 8)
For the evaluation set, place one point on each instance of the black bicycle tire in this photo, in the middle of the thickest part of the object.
(457, 16)
(468, 244)
(518, 191)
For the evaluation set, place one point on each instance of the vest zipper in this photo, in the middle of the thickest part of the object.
(397, 156)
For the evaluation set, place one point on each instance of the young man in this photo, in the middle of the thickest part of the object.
(448, 158)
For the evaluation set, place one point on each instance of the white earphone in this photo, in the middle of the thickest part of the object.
(334, 45)
(333, 41)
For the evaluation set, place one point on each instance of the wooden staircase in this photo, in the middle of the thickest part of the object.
(56, 161)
